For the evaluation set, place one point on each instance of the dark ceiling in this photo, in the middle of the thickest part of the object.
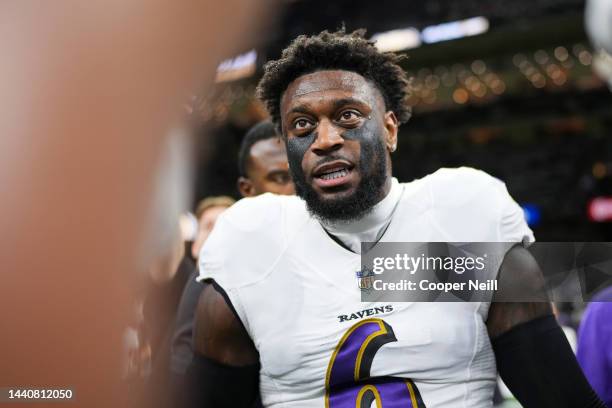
(312, 16)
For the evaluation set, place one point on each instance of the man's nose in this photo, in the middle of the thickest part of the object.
(328, 138)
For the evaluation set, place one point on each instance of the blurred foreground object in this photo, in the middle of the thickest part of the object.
(598, 15)
(598, 22)
(89, 91)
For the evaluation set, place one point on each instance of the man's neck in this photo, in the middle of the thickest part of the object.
(372, 225)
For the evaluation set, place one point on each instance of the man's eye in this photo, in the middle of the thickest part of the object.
(302, 124)
(281, 178)
(349, 115)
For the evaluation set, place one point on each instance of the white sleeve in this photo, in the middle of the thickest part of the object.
(242, 247)
(245, 241)
(481, 199)
(512, 225)
(217, 247)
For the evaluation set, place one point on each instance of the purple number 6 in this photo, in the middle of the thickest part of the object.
(348, 383)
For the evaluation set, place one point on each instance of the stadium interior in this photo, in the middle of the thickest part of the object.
(505, 87)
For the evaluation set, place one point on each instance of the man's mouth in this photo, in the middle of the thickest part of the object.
(333, 174)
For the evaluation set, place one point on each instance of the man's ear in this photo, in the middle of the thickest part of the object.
(391, 127)
(246, 187)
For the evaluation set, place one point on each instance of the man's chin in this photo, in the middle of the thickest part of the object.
(340, 204)
(337, 207)
(336, 194)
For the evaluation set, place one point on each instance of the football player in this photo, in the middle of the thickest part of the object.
(282, 312)
(262, 163)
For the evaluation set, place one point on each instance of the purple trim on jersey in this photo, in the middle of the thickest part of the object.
(595, 345)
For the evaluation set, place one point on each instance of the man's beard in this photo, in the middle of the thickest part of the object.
(373, 172)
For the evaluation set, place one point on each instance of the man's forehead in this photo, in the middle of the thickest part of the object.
(268, 147)
(334, 80)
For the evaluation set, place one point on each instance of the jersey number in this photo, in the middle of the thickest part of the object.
(348, 383)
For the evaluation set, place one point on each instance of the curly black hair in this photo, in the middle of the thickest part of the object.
(336, 50)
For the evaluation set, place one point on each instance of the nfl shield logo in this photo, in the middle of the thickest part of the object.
(365, 278)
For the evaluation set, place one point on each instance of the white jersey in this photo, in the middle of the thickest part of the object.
(295, 290)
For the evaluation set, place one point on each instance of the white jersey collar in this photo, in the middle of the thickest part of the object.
(370, 227)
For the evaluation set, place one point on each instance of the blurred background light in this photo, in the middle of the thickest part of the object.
(455, 30)
(397, 40)
(241, 66)
(533, 214)
(600, 209)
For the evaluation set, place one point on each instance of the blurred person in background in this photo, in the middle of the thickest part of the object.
(262, 162)
(595, 344)
(179, 332)
(169, 273)
(207, 212)
(561, 311)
